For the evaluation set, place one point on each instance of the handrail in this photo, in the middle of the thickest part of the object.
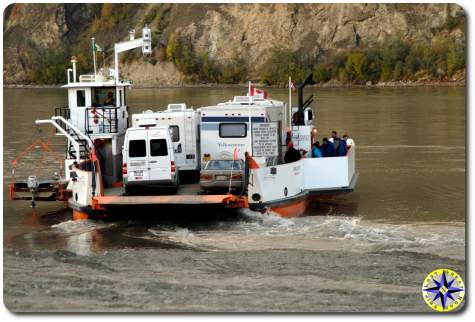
(73, 141)
(78, 132)
(109, 114)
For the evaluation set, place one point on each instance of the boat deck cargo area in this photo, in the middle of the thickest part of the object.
(187, 194)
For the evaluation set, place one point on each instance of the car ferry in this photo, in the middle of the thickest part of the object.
(108, 151)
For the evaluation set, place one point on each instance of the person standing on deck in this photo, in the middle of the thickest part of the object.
(335, 139)
(292, 154)
(328, 149)
(341, 151)
(349, 141)
(315, 152)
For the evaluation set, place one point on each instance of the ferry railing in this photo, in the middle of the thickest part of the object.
(75, 130)
(73, 141)
(65, 113)
(101, 120)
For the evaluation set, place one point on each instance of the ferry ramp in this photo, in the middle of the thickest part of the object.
(187, 194)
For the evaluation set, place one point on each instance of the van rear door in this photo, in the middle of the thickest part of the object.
(160, 157)
(137, 164)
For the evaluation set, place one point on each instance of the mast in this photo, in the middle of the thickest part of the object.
(250, 118)
(290, 102)
(94, 56)
(145, 42)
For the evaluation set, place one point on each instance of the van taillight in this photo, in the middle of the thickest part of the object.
(236, 177)
(124, 168)
(173, 166)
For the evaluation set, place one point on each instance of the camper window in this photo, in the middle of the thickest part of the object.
(103, 96)
(175, 133)
(81, 98)
(137, 149)
(233, 130)
(158, 148)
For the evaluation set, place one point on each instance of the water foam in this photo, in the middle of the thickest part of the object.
(254, 230)
(80, 226)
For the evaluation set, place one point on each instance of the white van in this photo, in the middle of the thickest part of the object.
(184, 131)
(148, 160)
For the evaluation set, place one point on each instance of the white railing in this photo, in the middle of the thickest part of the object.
(87, 78)
(78, 132)
(66, 134)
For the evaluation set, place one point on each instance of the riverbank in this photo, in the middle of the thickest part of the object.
(330, 84)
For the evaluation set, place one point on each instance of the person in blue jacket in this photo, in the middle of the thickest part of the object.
(328, 149)
(341, 150)
(315, 152)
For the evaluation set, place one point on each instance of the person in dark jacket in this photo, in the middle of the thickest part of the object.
(341, 151)
(327, 148)
(315, 152)
(292, 154)
(335, 139)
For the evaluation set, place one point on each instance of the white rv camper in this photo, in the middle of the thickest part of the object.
(225, 127)
(183, 123)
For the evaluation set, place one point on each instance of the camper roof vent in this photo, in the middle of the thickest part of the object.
(177, 107)
(146, 123)
(241, 99)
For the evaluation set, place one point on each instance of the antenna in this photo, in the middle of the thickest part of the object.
(73, 62)
(93, 43)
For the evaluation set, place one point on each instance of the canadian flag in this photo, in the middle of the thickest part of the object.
(291, 86)
(257, 92)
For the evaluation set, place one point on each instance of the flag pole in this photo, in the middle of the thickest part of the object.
(94, 56)
(290, 104)
(232, 168)
(250, 118)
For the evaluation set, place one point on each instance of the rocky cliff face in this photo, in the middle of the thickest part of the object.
(221, 31)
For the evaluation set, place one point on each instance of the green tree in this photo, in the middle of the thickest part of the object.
(398, 70)
(392, 51)
(171, 47)
(455, 58)
(51, 65)
(282, 64)
(356, 67)
(321, 74)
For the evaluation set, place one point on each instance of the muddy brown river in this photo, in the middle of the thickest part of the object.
(361, 252)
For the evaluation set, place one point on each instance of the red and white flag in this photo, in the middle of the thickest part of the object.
(291, 86)
(257, 92)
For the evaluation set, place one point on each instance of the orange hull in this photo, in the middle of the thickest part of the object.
(292, 209)
(79, 215)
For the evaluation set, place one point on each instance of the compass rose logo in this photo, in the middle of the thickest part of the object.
(443, 290)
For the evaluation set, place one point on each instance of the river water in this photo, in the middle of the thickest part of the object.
(365, 251)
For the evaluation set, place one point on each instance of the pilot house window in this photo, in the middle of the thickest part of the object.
(103, 96)
(81, 98)
(233, 130)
